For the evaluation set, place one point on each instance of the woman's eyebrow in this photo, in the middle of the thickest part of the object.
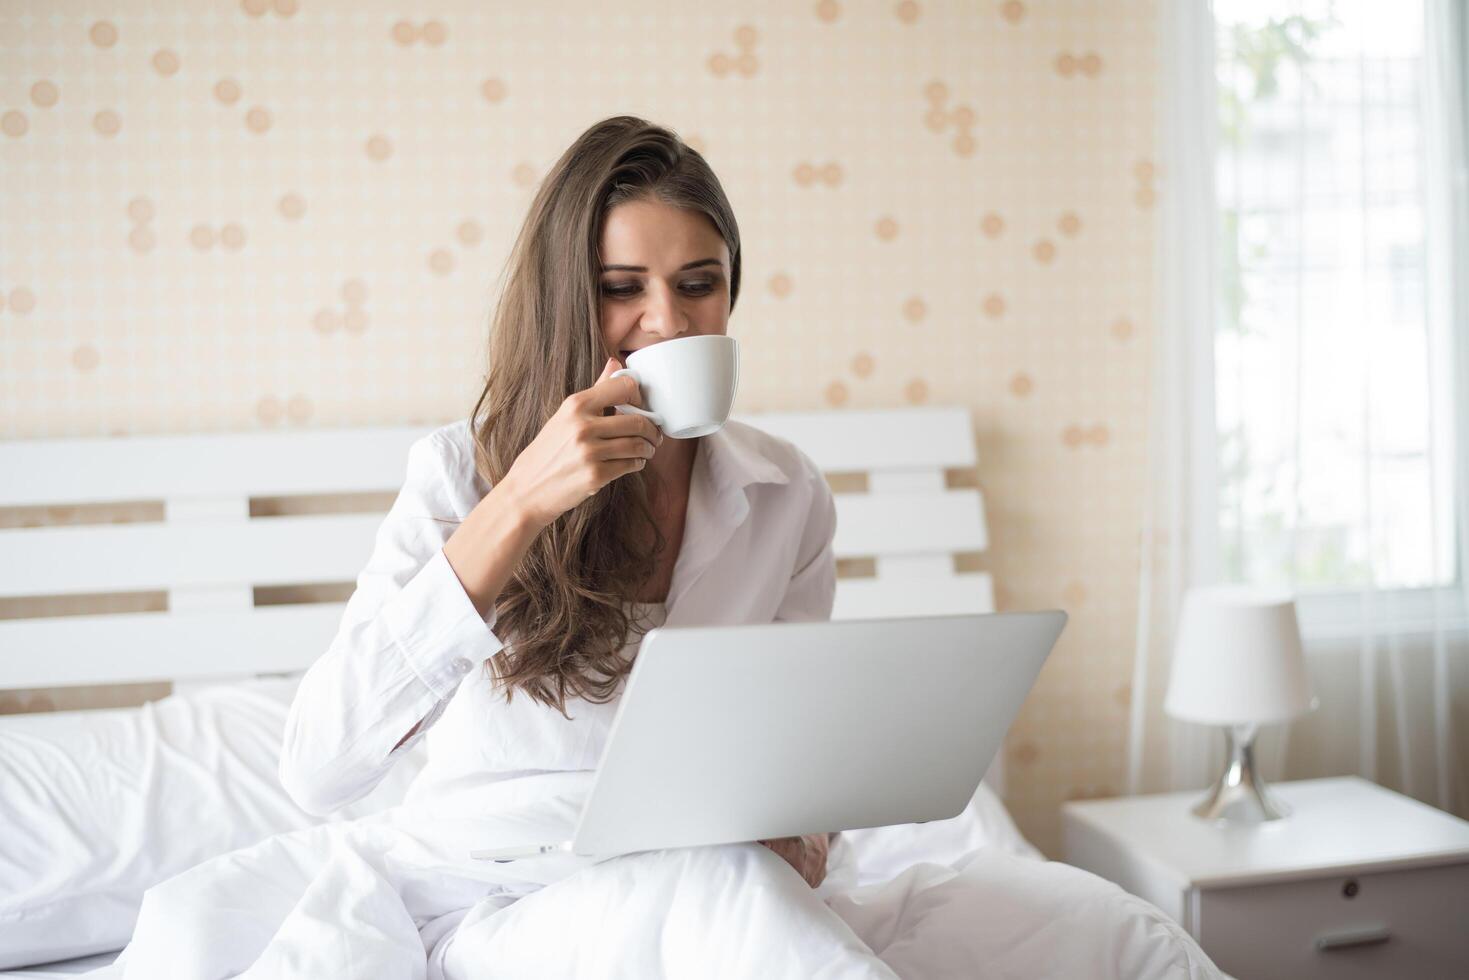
(643, 268)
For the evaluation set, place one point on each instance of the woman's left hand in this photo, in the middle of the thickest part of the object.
(806, 854)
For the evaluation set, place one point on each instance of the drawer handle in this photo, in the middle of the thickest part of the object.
(1350, 938)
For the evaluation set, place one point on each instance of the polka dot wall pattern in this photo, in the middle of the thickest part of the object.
(279, 213)
(940, 117)
(742, 61)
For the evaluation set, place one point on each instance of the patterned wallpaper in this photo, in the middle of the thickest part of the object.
(222, 215)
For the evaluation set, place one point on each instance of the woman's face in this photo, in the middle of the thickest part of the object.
(665, 274)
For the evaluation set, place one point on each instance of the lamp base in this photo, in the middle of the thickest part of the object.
(1240, 795)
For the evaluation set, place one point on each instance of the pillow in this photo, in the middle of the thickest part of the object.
(99, 806)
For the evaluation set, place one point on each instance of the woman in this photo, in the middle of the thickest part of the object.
(539, 539)
(573, 550)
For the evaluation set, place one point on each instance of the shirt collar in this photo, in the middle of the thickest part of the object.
(727, 463)
(734, 458)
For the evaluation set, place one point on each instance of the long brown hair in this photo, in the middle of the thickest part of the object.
(561, 614)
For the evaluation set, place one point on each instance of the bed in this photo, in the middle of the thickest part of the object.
(252, 542)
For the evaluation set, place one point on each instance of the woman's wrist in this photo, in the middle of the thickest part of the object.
(514, 510)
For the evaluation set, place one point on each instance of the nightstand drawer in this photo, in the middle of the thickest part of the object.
(1407, 923)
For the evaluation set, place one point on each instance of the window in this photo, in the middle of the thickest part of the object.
(1333, 388)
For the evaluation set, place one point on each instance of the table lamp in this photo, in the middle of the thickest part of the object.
(1238, 663)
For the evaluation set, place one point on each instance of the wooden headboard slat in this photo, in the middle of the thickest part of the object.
(223, 643)
(324, 461)
(269, 551)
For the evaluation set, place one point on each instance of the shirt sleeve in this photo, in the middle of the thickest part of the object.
(811, 591)
(407, 638)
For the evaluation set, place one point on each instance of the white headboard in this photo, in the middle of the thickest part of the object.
(209, 554)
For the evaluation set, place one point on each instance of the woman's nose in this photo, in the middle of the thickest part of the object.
(662, 315)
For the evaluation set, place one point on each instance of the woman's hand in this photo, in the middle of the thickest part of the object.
(806, 854)
(579, 450)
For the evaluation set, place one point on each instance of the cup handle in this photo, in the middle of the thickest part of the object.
(654, 417)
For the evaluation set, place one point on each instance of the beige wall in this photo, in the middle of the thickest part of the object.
(224, 216)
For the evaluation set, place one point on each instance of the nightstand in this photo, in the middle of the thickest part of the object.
(1358, 881)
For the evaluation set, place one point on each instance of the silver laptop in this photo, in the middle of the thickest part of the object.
(742, 733)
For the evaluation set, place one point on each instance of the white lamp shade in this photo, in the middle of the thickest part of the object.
(1238, 658)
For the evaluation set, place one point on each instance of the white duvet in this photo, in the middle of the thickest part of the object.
(395, 895)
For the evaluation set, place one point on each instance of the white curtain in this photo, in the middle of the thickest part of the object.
(1178, 523)
(1310, 403)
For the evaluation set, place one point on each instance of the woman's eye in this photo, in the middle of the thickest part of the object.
(692, 288)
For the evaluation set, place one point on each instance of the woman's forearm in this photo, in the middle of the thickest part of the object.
(485, 549)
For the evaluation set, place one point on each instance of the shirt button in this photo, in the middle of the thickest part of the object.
(461, 665)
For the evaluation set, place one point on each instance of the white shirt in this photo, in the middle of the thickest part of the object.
(757, 548)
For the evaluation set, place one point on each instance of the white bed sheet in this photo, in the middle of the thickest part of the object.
(935, 899)
(239, 727)
(67, 968)
(378, 894)
(885, 852)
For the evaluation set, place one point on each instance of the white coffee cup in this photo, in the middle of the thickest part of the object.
(688, 383)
